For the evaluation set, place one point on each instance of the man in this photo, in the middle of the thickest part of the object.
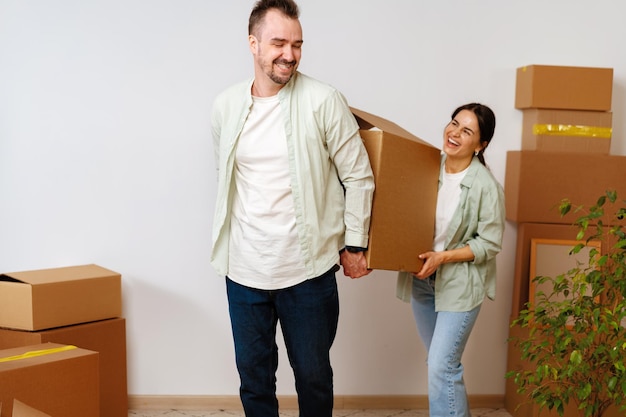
(293, 200)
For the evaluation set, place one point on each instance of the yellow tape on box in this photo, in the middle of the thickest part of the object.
(34, 353)
(572, 130)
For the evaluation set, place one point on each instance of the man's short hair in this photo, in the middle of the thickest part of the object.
(288, 7)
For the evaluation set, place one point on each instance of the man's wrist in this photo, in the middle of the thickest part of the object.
(354, 249)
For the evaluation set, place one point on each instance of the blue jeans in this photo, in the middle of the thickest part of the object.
(308, 315)
(445, 335)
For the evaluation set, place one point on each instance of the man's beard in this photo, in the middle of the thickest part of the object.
(282, 80)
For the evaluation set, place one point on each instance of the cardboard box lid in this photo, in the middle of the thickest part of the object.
(368, 121)
(22, 410)
(47, 276)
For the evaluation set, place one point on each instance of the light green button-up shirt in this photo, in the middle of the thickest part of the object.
(331, 178)
(478, 222)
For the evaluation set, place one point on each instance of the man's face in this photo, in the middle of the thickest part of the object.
(277, 48)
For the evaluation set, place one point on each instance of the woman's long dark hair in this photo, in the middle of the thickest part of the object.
(486, 124)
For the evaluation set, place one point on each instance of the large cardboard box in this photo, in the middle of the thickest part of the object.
(47, 298)
(536, 182)
(567, 131)
(60, 380)
(22, 410)
(406, 173)
(563, 87)
(107, 337)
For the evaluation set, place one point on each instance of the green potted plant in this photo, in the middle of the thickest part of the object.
(575, 335)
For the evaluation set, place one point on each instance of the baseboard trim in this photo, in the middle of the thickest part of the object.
(289, 402)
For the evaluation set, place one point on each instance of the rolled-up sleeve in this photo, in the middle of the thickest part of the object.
(487, 242)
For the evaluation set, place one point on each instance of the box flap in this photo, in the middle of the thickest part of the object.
(22, 410)
(368, 121)
(46, 276)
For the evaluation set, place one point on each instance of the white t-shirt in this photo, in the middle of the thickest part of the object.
(264, 247)
(448, 199)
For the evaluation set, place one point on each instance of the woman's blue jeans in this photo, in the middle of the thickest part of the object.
(445, 335)
(308, 314)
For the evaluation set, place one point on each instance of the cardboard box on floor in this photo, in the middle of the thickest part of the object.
(536, 182)
(107, 337)
(406, 173)
(47, 298)
(59, 380)
(563, 87)
(22, 410)
(567, 131)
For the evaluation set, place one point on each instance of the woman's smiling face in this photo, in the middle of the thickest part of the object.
(461, 137)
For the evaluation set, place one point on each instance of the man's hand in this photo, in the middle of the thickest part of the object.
(354, 264)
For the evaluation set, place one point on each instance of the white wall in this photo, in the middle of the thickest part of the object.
(106, 157)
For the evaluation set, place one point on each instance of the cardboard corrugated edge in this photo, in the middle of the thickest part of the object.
(22, 410)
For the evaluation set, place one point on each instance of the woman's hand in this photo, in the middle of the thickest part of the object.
(432, 260)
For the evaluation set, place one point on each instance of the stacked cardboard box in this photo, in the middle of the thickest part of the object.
(565, 109)
(565, 148)
(76, 306)
(566, 139)
(59, 380)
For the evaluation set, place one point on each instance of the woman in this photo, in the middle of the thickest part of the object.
(447, 293)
